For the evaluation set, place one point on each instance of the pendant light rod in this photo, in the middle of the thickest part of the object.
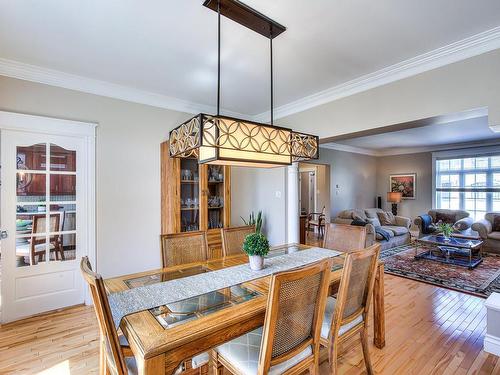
(218, 57)
(272, 91)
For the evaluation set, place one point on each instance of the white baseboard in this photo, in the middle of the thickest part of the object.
(492, 344)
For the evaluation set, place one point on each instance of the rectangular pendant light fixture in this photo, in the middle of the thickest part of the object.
(223, 140)
(227, 140)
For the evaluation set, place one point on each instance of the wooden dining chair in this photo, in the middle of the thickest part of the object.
(317, 220)
(345, 238)
(116, 357)
(34, 248)
(347, 315)
(183, 248)
(289, 341)
(232, 239)
(112, 353)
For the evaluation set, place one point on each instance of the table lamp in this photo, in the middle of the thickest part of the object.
(394, 198)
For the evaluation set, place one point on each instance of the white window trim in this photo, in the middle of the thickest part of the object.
(459, 153)
(87, 130)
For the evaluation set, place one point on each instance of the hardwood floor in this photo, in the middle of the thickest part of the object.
(430, 330)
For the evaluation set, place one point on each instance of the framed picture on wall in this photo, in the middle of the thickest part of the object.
(404, 183)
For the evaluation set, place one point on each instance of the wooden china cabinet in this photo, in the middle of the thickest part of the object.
(195, 197)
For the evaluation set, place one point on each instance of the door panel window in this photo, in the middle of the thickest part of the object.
(45, 234)
(31, 157)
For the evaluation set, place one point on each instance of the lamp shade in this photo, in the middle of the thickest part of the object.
(394, 197)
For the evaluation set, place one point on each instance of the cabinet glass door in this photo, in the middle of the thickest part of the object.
(190, 195)
(215, 196)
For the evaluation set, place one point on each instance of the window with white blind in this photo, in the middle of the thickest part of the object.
(468, 183)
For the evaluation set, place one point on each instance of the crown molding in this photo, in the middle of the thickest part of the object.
(347, 148)
(33, 73)
(408, 150)
(452, 146)
(463, 49)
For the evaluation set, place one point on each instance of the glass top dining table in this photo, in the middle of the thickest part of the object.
(163, 337)
(177, 313)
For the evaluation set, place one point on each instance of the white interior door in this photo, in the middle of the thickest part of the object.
(44, 208)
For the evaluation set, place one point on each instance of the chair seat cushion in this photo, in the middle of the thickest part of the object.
(327, 320)
(243, 354)
(25, 249)
(199, 360)
(494, 235)
(398, 231)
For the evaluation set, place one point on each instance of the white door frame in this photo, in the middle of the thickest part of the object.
(54, 126)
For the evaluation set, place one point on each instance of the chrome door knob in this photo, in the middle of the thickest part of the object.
(3, 234)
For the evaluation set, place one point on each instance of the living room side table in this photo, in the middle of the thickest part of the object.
(457, 251)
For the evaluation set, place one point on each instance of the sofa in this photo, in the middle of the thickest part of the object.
(460, 220)
(399, 231)
(486, 229)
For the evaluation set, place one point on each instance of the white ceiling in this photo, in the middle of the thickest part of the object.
(425, 138)
(169, 47)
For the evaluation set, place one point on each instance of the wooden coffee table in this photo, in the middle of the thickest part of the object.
(463, 252)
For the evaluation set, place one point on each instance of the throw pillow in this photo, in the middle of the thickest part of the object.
(359, 222)
(445, 218)
(462, 224)
(386, 218)
(496, 223)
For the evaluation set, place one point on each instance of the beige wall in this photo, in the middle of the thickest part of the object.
(353, 179)
(127, 166)
(256, 189)
(421, 164)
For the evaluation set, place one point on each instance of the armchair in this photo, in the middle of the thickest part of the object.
(489, 231)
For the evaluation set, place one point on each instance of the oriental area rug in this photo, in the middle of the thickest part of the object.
(481, 281)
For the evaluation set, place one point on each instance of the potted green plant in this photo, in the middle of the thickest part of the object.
(255, 221)
(446, 229)
(256, 246)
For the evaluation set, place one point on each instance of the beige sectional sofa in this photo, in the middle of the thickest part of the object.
(399, 232)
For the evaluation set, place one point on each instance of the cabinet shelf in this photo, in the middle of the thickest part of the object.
(190, 208)
(189, 181)
(216, 208)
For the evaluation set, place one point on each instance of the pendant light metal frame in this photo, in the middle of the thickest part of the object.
(224, 137)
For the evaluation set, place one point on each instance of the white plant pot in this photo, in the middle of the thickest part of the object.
(256, 262)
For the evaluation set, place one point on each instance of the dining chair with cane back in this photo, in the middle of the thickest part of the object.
(232, 239)
(183, 248)
(344, 238)
(116, 357)
(347, 315)
(289, 340)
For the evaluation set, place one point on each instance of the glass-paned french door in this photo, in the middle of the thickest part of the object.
(45, 211)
